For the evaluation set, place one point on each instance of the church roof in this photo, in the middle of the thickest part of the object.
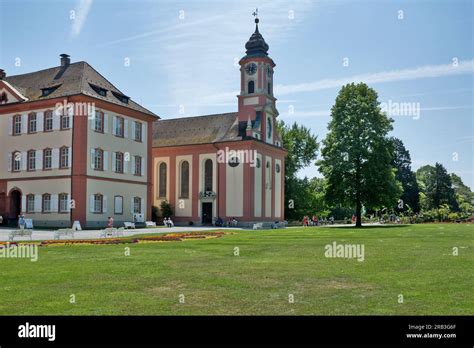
(256, 45)
(196, 130)
(72, 79)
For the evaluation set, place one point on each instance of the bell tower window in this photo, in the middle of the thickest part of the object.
(269, 86)
(251, 87)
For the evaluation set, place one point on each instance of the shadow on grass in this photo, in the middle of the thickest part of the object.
(368, 227)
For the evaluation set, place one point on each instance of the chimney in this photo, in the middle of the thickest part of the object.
(3, 74)
(65, 60)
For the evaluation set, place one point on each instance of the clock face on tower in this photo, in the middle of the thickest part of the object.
(251, 68)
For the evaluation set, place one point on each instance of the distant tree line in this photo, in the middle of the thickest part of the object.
(365, 172)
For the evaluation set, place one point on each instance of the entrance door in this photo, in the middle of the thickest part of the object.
(207, 213)
(15, 206)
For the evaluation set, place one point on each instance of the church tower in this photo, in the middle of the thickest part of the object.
(256, 101)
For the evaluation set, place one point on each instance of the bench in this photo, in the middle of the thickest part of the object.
(20, 233)
(279, 224)
(129, 225)
(64, 232)
(112, 232)
(258, 225)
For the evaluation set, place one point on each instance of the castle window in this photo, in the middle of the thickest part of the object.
(17, 125)
(98, 203)
(162, 180)
(48, 121)
(251, 87)
(32, 122)
(16, 161)
(31, 160)
(184, 184)
(30, 203)
(47, 159)
(46, 203)
(64, 157)
(208, 175)
(269, 86)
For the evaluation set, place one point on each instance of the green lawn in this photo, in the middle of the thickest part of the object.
(415, 261)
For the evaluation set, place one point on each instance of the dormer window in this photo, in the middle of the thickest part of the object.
(4, 98)
(99, 90)
(48, 90)
(121, 97)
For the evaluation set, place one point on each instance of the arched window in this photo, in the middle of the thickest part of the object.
(184, 184)
(269, 128)
(251, 87)
(162, 177)
(269, 86)
(208, 175)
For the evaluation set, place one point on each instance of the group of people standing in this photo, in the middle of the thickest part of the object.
(314, 221)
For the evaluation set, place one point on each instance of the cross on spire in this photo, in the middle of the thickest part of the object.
(255, 14)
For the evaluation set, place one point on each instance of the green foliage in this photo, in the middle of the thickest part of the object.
(357, 153)
(302, 147)
(402, 163)
(437, 187)
(166, 210)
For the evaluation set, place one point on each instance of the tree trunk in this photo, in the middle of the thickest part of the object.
(358, 213)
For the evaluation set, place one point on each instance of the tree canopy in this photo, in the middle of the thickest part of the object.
(357, 154)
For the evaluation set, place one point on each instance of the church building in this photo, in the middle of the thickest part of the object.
(227, 165)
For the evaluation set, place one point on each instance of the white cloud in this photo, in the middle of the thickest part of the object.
(428, 71)
(81, 12)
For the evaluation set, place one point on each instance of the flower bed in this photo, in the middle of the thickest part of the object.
(171, 237)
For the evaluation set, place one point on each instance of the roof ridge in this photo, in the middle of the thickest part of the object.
(37, 71)
(188, 117)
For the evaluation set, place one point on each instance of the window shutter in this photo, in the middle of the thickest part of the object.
(39, 159)
(10, 125)
(23, 161)
(91, 204)
(39, 121)
(69, 157)
(144, 133)
(132, 170)
(114, 125)
(92, 121)
(70, 112)
(55, 158)
(23, 203)
(142, 207)
(125, 162)
(125, 128)
(38, 203)
(106, 160)
(69, 203)
(56, 121)
(106, 123)
(104, 204)
(92, 158)
(114, 161)
(131, 205)
(24, 123)
(54, 203)
(143, 166)
(9, 161)
(132, 136)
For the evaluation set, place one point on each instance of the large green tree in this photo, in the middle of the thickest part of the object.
(357, 153)
(302, 147)
(402, 163)
(437, 186)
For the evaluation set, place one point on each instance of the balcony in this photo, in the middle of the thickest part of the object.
(207, 195)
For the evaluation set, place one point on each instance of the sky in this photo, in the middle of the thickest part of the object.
(179, 58)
